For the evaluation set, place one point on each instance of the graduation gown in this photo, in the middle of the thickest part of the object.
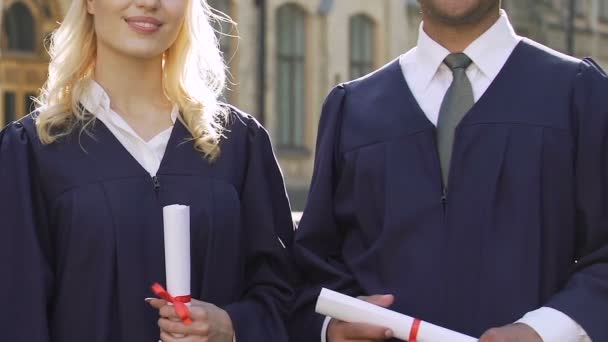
(524, 221)
(82, 234)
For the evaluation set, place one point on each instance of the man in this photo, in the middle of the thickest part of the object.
(465, 184)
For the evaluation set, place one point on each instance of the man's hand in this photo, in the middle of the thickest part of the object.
(517, 332)
(209, 323)
(339, 331)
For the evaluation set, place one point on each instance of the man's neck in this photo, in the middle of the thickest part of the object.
(456, 38)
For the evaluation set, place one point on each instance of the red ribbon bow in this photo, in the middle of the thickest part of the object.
(179, 302)
(414, 330)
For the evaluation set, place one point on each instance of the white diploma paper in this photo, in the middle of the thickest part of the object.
(353, 310)
(177, 249)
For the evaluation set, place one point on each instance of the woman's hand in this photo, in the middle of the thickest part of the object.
(209, 323)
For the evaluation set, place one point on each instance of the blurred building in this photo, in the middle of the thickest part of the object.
(23, 58)
(303, 49)
(290, 53)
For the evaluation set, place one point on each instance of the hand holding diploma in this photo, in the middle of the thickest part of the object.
(201, 321)
(511, 332)
(348, 309)
(209, 323)
(340, 331)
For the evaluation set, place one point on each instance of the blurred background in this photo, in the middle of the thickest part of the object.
(290, 53)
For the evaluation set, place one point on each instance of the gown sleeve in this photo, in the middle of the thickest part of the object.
(585, 295)
(26, 275)
(318, 241)
(269, 271)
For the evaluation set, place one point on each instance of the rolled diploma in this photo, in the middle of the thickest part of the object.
(353, 310)
(176, 219)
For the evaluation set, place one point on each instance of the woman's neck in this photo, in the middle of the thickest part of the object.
(132, 84)
(135, 89)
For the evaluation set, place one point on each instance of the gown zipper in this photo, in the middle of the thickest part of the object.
(156, 184)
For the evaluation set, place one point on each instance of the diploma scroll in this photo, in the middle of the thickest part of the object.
(177, 249)
(176, 219)
(353, 310)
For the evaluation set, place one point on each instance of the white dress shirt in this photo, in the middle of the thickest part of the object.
(429, 79)
(149, 153)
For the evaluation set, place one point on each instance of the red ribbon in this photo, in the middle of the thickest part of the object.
(179, 302)
(414, 330)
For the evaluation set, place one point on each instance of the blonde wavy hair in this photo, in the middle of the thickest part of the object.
(194, 76)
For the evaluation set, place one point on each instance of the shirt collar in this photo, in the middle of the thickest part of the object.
(94, 98)
(429, 56)
(489, 52)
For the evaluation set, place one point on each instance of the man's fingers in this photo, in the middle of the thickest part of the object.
(380, 300)
(492, 335)
(363, 331)
(360, 331)
(511, 332)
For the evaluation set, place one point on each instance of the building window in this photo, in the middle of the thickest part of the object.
(291, 76)
(580, 7)
(10, 110)
(604, 9)
(361, 46)
(18, 27)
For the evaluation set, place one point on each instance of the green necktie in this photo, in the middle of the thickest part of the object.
(457, 102)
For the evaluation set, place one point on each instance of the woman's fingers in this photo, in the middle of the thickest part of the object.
(156, 303)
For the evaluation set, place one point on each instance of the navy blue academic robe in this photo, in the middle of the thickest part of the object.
(82, 234)
(524, 221)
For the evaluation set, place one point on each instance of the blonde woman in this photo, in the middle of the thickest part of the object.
(128, 122)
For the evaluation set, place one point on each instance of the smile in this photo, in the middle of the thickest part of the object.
(143, 24)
